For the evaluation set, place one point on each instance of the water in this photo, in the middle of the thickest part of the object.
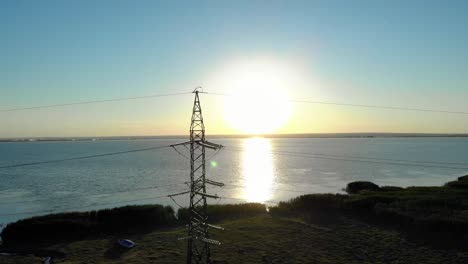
(248, 167)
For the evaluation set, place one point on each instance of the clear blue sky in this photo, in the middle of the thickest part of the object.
(401, 53)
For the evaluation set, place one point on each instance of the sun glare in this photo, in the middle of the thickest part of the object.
(259, 102)
(258, 170)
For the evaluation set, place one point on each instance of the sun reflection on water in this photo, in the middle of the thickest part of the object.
(258, 170)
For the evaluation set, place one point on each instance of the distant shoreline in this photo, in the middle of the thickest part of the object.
(305, 135)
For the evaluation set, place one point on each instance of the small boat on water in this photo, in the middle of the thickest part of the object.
(126, 243)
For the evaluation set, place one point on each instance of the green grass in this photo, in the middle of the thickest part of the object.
(265, 239)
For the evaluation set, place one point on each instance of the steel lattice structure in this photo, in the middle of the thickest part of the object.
(198, 239)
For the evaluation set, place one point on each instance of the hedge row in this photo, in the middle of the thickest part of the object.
(430, 208)
(78, 225)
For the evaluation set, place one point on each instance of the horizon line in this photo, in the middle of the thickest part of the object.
(283, 135)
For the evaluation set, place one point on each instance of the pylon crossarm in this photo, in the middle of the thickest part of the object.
(216, 227)
(211, 241)
(184, 238)
(214, 182)
(176, 194)
(209, 145)
(208, 195)
(179, 144)
(217, 146)
(199, 223)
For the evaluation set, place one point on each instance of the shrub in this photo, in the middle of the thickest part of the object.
(463, 178)
(463, 184)
(358, 186)
(77, 225)
(460, 183)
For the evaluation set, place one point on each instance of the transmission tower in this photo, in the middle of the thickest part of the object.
(198, 239)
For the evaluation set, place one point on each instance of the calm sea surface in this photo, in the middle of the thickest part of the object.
(254, 170)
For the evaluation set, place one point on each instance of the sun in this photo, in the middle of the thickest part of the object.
(258, 101)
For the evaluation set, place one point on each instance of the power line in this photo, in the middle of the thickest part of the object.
(81, 157)
(382, 107)
(401, 160)
(140, 189)
(293, 154)
(63, 210)
(97, 194)
(223, 94)
(180, 153)
(86, 206)
(92, 102)
(284, 153)
(143, 199)
(370, 158)
(365, 105)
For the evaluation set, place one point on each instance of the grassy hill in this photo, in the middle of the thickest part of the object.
(372, 224)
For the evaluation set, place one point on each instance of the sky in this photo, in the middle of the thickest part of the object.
(265, 54)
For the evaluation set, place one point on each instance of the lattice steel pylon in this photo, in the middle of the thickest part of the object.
(198, 239)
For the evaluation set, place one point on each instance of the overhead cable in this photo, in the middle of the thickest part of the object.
(86, 206)
(293, 154)
(365, 105)
(92, 102)
(81, 157)
(96, 194)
